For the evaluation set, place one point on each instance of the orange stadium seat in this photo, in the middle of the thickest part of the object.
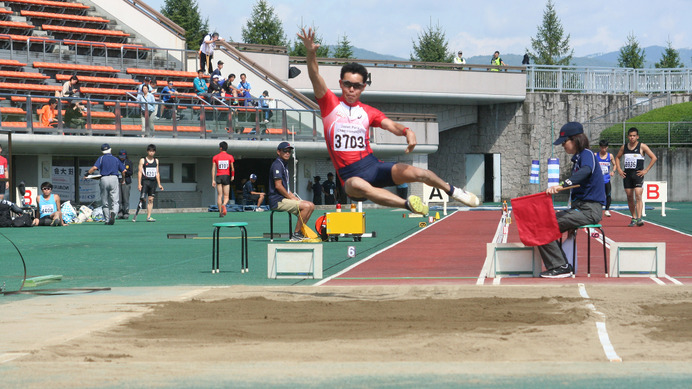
(52, 4)
(11, 62)
(53, 15)
(22, 75)
(29, 87)
(75, 67)
(105, 91)
(162, 73)
(97, 80)
(84, 31)
(15, 25)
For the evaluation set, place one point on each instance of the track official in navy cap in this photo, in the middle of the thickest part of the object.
(569, 129)
(284, 145)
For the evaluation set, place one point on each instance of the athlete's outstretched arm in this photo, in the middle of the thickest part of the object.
(318, 84)
(400, 130)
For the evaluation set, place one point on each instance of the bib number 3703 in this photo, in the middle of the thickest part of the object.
(346, 142)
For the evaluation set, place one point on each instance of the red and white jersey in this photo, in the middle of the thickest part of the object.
(223, 162)
(347, 128)
(3, 167)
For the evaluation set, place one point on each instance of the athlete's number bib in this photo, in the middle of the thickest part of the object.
(2, 170)
(605, 167)
(223, 165)
(349, 137)
(47, 209)
(150, 172)
(631, 160)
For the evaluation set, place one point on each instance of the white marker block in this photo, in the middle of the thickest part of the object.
(513, 260)
(640, 259)
(294, 260)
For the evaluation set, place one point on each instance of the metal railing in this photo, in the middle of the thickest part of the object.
(586, 79)
(668, 134)
(187, 116)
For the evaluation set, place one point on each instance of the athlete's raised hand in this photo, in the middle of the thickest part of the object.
(308, 39)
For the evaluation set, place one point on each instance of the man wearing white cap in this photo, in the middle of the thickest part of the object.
(109, 166)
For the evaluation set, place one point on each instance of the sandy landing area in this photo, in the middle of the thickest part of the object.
(252, 335)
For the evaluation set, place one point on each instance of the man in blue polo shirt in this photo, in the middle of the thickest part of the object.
(280, 196)
(109, 166)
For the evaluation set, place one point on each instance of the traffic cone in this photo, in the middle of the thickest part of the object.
(437, 216)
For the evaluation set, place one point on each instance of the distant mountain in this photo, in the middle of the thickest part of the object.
(652, 55)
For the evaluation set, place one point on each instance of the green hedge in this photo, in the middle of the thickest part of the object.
(653, 126)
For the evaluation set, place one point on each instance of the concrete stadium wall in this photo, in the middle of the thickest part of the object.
(520, 132)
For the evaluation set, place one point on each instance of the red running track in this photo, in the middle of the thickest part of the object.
(453, 251)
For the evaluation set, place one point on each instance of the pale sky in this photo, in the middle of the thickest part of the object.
(475, 27)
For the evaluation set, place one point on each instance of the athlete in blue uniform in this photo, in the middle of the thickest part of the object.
(605, 161)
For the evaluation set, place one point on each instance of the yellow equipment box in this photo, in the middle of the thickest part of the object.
(345, 223)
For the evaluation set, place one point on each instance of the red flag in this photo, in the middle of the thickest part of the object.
(535, 218)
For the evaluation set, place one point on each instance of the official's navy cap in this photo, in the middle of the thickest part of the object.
(105, 147)
(253, 176)
(569, 129)
(122, 153)
(284, 145)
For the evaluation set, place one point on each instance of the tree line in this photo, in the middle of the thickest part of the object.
(550, 46)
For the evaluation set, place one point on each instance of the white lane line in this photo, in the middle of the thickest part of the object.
(496, 280)
(608, 348)
(657, 280)
(323, 281)
(605, 342)
(673, 280)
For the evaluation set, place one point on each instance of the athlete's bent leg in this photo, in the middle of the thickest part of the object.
(357, 187)
(402, 172)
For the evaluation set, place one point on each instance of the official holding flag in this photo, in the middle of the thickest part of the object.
(587, 199)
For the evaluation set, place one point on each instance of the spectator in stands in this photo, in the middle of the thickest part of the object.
(265, 106)
(49, 207)
(215, 86)
(148, 82)
(251, 195)
(459, 60)
(168, 97)
(201, 85)
(147, 110)
(244, 90)
(496, 61)
(281, 198)
(230, 89)
(217, 72)
(71, 89)
(47, 114)
(206, 51)
(73, 116)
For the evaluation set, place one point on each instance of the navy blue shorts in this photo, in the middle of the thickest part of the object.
(371, 169)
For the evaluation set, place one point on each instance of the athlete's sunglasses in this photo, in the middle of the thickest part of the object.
(354, 85)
